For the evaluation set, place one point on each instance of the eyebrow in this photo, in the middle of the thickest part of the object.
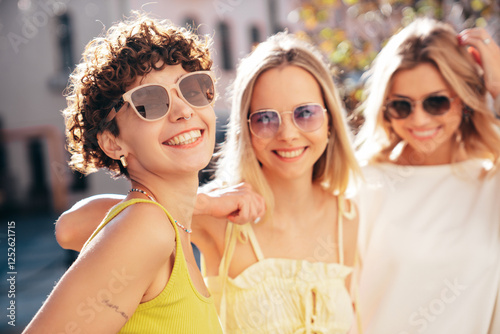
(430, 94)
(175, 81)
(180, 76)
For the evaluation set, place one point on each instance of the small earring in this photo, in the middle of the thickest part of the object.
(467, 113)
(124, 162)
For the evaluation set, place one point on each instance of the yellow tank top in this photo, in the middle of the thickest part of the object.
(179, 308)
(283, 295)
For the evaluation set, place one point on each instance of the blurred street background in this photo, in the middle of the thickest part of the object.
(42, 40)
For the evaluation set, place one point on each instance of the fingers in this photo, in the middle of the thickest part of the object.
(486, 53)
(251, 208)
(480, 39)
(239, 204)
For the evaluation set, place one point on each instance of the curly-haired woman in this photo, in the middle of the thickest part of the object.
(140, 105)
(288, 141)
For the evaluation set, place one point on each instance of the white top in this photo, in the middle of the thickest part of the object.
(430, 249)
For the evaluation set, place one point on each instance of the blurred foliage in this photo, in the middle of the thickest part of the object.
(352, 32)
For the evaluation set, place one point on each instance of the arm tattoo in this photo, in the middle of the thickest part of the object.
(116, 308)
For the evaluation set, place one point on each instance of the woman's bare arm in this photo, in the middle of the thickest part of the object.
(111, 277)
(75, 226)
(238, 204)
(214, 207)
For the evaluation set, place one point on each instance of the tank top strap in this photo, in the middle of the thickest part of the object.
(122, 206)
(348, 212)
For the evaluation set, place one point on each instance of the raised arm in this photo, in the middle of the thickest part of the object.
(214, 207)
(487, 54)
(75, 226)
(238, 204)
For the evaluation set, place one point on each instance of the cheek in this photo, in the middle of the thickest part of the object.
(397, 126)
(258, 145)
(453, 119)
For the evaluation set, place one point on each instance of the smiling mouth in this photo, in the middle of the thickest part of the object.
(425, 133)
(185, 138)
(290, 154)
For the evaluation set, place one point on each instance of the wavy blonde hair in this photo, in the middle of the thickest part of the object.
(111, 63)
(238, 162)
(429, 41)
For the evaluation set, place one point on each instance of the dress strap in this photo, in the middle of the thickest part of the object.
(229, 245)
(255, 244)
(349, 213)
(243, 234)
(234, 233)
(340, 230)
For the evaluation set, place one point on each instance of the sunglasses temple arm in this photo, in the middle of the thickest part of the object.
(114, 110)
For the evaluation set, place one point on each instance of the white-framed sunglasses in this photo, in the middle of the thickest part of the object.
(152, 102)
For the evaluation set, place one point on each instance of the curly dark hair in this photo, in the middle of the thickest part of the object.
(129, 49)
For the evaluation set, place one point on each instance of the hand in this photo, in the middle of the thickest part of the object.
(487, 54)
(239, 204)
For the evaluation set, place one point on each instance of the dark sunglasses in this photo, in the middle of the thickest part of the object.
(401, 108)
(306, 117)
(152, 101)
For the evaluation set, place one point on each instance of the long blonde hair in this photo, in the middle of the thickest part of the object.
(429, 41)
(238, 162)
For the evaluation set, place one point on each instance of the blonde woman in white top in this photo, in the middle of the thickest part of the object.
(430, 208)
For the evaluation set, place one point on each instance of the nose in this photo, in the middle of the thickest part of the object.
(419, 116)
(179, 109)
(287, 130)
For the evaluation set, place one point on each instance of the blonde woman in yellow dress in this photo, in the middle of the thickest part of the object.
(288, 141)
(139, 105)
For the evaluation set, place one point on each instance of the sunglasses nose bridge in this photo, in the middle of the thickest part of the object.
(288, 129)
(418, 113)
(290, 119)
(179, 107)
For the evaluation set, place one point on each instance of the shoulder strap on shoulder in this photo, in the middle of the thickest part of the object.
(340, 230)
(254, 242)
(234, 233)
(348, 210)
(122, 206)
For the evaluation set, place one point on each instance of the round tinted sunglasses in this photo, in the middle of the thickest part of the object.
(401, 108)
(152, 101)
(306, 117)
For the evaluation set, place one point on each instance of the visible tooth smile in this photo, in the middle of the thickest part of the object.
(185, 138)
(426, 133)
(290, 154)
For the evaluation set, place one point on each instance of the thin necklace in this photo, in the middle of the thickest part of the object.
(185, 229)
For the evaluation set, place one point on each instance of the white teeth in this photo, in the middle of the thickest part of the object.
(290, 154)
(426, 133)
(185, 138)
